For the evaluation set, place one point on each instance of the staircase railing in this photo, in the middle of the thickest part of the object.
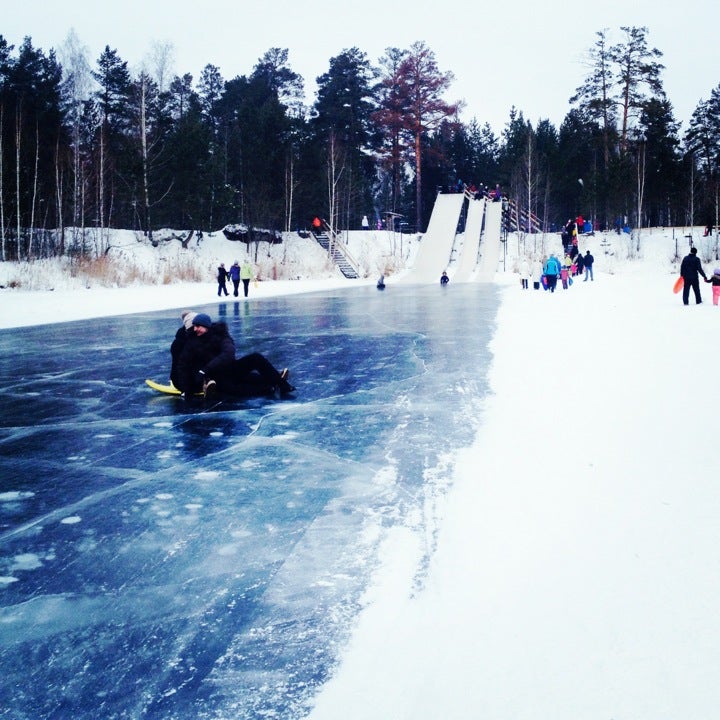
(336, 245)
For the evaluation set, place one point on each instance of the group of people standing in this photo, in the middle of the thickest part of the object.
(236, 273)
(546, 273)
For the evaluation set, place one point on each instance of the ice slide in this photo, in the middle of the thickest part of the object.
(433, 255)
(490, 255)
(466, 263)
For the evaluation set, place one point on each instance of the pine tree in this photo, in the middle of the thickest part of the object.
(595, 96)
(637, 74)
(423, 85)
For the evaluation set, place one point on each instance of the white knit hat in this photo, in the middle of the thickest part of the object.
(187, 317)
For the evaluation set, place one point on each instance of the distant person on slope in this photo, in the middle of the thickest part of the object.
(537, 273)
(690, 268)
(444, 279)
(524, 273)
(588, 261)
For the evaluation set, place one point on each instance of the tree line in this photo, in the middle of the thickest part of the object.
(85, 147)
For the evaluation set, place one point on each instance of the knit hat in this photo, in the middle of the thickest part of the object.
(693, 250)
(187, 318)
(202, 320)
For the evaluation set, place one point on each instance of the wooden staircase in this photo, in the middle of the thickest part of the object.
(523, 221)
(338, 251)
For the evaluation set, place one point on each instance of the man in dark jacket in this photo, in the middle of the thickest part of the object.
(588, 261)
(207, 363)
(690, 267)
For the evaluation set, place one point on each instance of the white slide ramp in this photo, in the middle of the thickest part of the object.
(471, 246)
(433, 255)
(490, 250)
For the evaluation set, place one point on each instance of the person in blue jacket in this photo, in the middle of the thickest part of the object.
(235, 277)
(552, 270)
(588, 261)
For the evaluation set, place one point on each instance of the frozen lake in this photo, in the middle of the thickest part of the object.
(160, 560)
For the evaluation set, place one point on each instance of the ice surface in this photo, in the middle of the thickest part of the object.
(160, 560)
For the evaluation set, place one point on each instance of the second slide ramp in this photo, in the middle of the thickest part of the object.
(471, 246)
(433, 254)
(490, 256)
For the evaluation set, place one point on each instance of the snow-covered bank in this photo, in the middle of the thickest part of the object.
(576, 568)
(23, 308)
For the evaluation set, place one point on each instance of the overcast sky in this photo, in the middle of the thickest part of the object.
(524, 53)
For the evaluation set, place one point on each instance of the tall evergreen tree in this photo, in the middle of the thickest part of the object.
(342, 127)
(637, 76)
(33, 94)
(423, 85)
(388, 123)
(114, 159)
(595, 97)
(660, 143)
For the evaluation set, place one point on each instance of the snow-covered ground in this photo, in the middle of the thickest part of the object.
(576, 571)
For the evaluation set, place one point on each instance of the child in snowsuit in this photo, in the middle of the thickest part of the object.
(715, 280)
(564, 274)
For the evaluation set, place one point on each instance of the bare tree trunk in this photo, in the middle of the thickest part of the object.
(18, 136)
(33, 202)
(101, 185)
(418, 183)
(59, 224)
(334, 175)
(3, 257)
(143, 141)
(640, 189)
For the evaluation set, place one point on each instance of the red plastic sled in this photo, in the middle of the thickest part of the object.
(678, 286)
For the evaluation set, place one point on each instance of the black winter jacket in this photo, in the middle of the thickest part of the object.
(691, 266)
(213, 353)
(176, 348)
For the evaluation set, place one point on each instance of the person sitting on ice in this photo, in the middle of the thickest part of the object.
(207, 364)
